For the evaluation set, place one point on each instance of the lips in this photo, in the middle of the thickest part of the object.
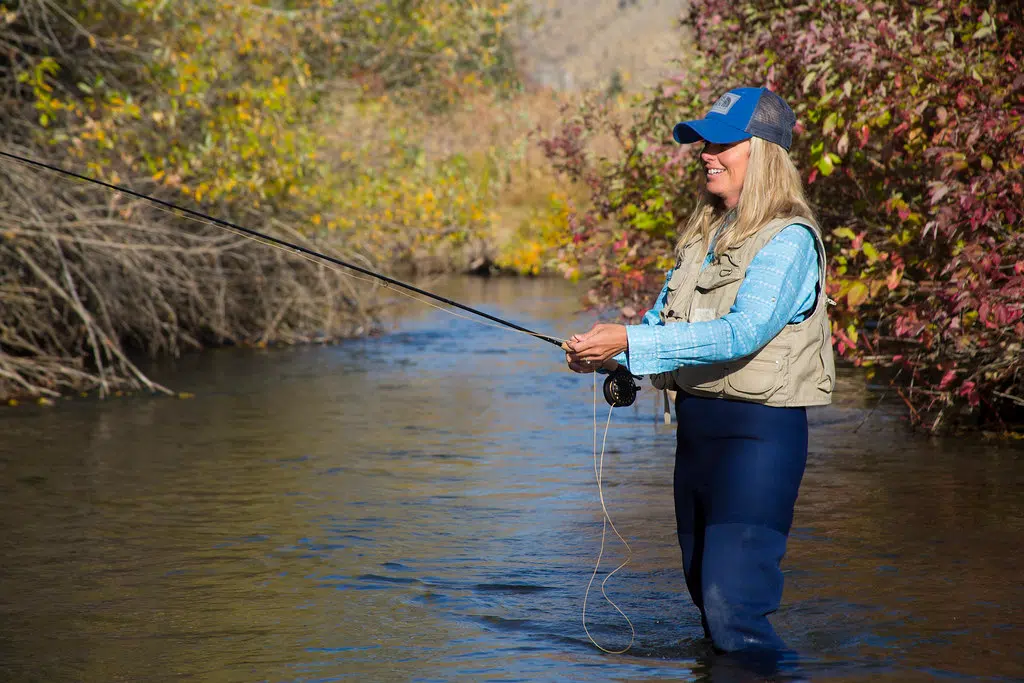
(712, 172)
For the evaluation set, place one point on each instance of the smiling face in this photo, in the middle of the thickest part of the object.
(725, 167)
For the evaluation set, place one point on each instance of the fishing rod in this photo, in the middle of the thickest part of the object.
(620, 389)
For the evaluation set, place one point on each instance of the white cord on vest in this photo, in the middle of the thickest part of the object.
(606, 521)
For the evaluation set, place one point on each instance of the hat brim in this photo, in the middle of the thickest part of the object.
(707, 129)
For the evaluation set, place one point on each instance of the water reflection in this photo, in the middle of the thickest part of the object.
(420, 506)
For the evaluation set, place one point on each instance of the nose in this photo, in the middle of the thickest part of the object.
(706, 156)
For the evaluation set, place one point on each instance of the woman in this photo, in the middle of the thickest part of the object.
(741, 332)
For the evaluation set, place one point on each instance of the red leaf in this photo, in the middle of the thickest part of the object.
(968, 389)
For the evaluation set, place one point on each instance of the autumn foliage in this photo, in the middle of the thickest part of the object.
(911, 143)
(259, 111)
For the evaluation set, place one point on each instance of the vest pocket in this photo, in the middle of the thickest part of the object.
(760, 377)
(718, 275)
(702, 378)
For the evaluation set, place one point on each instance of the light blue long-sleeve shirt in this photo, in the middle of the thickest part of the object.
(780, 287)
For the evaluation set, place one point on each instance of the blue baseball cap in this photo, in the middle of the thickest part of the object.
(740, 114)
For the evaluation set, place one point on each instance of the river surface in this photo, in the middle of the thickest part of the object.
(421, 506)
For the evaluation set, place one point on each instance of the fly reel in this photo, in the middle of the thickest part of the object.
(620, 388)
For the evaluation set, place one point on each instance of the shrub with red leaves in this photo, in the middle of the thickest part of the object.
(911, 142)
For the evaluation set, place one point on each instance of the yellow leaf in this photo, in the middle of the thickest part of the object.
(857, 295)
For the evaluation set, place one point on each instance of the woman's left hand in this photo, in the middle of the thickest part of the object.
(603, 341)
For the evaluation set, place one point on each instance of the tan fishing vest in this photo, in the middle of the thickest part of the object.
(796, 368)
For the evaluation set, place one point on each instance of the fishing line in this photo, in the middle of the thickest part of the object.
(606, 521)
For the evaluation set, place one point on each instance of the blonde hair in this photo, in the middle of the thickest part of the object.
(771, 189)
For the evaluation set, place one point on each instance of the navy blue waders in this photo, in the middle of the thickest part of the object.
(738, 469)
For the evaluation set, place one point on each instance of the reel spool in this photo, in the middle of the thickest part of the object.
(619, 388)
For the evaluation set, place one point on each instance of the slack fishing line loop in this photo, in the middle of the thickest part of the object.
(606, 522)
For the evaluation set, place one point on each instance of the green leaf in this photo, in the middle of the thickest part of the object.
(870, 251)
(644, 221)
(825, 166)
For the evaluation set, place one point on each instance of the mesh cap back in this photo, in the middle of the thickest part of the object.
(772, 120)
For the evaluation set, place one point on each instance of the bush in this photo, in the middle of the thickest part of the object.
(221, 104)
(909, 133)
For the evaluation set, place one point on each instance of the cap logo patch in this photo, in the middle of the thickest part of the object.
(725, 103)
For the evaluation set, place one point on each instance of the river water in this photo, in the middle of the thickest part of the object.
(422, 506)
